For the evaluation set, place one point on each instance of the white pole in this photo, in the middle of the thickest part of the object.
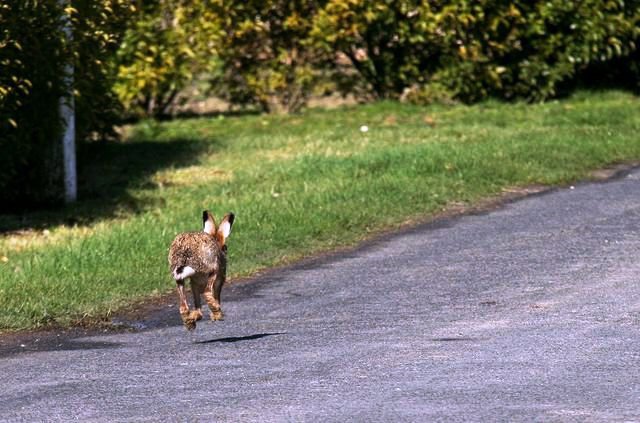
(68, 116)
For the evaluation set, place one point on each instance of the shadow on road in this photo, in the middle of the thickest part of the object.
(240, 338)
(53, 344)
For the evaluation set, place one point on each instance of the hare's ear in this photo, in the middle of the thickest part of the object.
(224, 230)
(208, 222)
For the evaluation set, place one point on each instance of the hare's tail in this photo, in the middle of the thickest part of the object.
(182, 272)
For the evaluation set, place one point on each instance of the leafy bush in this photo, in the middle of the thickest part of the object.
(264, 53)
(516, 49)
(167, 44)
(274, 54)
(33, 53)
(98, 29)
(30, 91)
(528, 49)
(391, 44)
(433, 92)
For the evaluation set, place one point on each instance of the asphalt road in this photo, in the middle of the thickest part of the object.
(527, 313)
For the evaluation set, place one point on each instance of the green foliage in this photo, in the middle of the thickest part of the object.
(433, 92)
(391, 44)
(98, 28)
(167, 44)
(31, 47)
(529, 49)
(34, 52)
(265, 57)
(516, 49)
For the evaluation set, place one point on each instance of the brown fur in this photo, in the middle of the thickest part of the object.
(206, 254)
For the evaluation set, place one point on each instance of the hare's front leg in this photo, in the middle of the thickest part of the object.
(212, 295)
(185, 313)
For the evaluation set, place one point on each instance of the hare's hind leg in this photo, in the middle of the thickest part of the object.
(197, 287)
(185, 313)
(212, 295)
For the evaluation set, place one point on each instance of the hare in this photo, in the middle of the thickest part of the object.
(201, 257)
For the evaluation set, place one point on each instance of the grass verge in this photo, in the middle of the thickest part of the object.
(298, 185)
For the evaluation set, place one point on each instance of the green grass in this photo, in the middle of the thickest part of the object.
(298, 185)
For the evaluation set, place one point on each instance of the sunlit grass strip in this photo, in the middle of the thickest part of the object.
(308, 183)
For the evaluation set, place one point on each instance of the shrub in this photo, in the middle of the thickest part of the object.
(98, 29)
(528, 49)
(167, 44)
(265, 57)
(33, 54)
(430, 93)
(476, 49)
(391, 44)
(30, 91)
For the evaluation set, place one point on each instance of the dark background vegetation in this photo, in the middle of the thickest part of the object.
(135, 59)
